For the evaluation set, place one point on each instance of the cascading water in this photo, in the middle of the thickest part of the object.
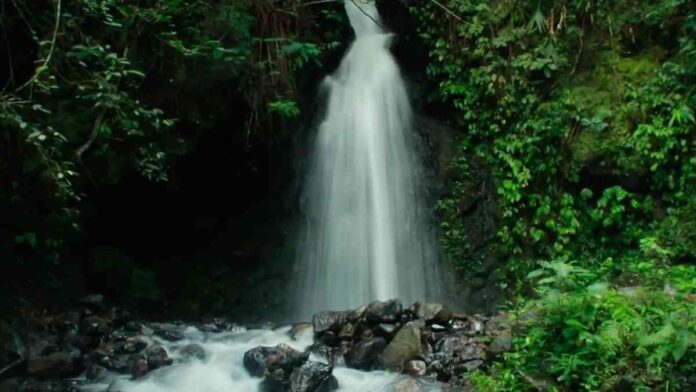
(366, 237)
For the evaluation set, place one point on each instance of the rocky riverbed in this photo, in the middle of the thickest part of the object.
(382, 346)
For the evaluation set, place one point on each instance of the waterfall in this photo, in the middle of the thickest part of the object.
(366, 236)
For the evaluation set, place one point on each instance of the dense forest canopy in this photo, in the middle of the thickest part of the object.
(569, 193)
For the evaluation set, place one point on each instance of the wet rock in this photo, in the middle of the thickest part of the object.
(416, 368)
(138, 367)
(113, 363)
(279, 361)
(364, 354)
(385, 330)
(347, 331)
(329, 321)
(192, 351)
(470, 366)
(133, 326)
(168, 332)
(313, 377)
(95, 372)
(383, 312)
(131, 346)
(95, 326)
(157, 357)
(47, 386)
(501, 343)
(333, 355)
(433, 312)
(406, 345)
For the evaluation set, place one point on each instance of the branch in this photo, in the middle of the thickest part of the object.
(92, 137)
(368, 15)
(459, 18)
(50, 50)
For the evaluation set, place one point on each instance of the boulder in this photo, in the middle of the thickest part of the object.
(298, 329)
(157, 357)
(416, 368)
(500, 344)
(364, 354)
(405, 346)
(192, 351)
(313, 377)
(383, 312)
(279, 361)
(433, 312)
(329, 321)
(131, 346)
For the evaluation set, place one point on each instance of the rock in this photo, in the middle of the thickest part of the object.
(113, 363)
(54, 364)
(169, 333)
(131, 346)
(364, 354)
(347, 332)
(327, 337)
(133, 326)
(139, 367)
(313, 377)
(385, 330)
(502, 343)
(406, 345)
(157, 357)
(94, 302)
(383, 312)
(95, 372)
(329, 321)
(470, 366)
(95, 326)
(279, 360)
(416, 368)
(408, 385)
(433, 313)
(192, 351)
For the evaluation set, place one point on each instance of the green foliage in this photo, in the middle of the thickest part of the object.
(100, 88)
(582, 110)
(584, 113)
(597, 338)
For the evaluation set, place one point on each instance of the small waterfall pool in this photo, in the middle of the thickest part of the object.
(221, 369)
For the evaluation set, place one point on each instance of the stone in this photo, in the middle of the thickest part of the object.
(170, 335)
(405, 346)
(501, 343)
(433, 313)
(364, 354)
(329, 321)
(192, 351)
(470, 366)
(416, 368)
(347, 332)
(313, 377)
(157, 357)
(138, 367)
(383, 312)
(114, 363)
(95, 372)
(95, 326)
(281, 360)
(131, 346)
(385, 330)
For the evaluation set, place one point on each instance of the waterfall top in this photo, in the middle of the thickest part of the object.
(364, 17)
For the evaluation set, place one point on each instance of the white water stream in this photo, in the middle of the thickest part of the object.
(366, 238)
(222, 370)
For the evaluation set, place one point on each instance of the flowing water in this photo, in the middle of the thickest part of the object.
(366, 237)
(222, 369)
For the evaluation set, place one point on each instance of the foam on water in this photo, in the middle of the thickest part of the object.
(222, 369)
